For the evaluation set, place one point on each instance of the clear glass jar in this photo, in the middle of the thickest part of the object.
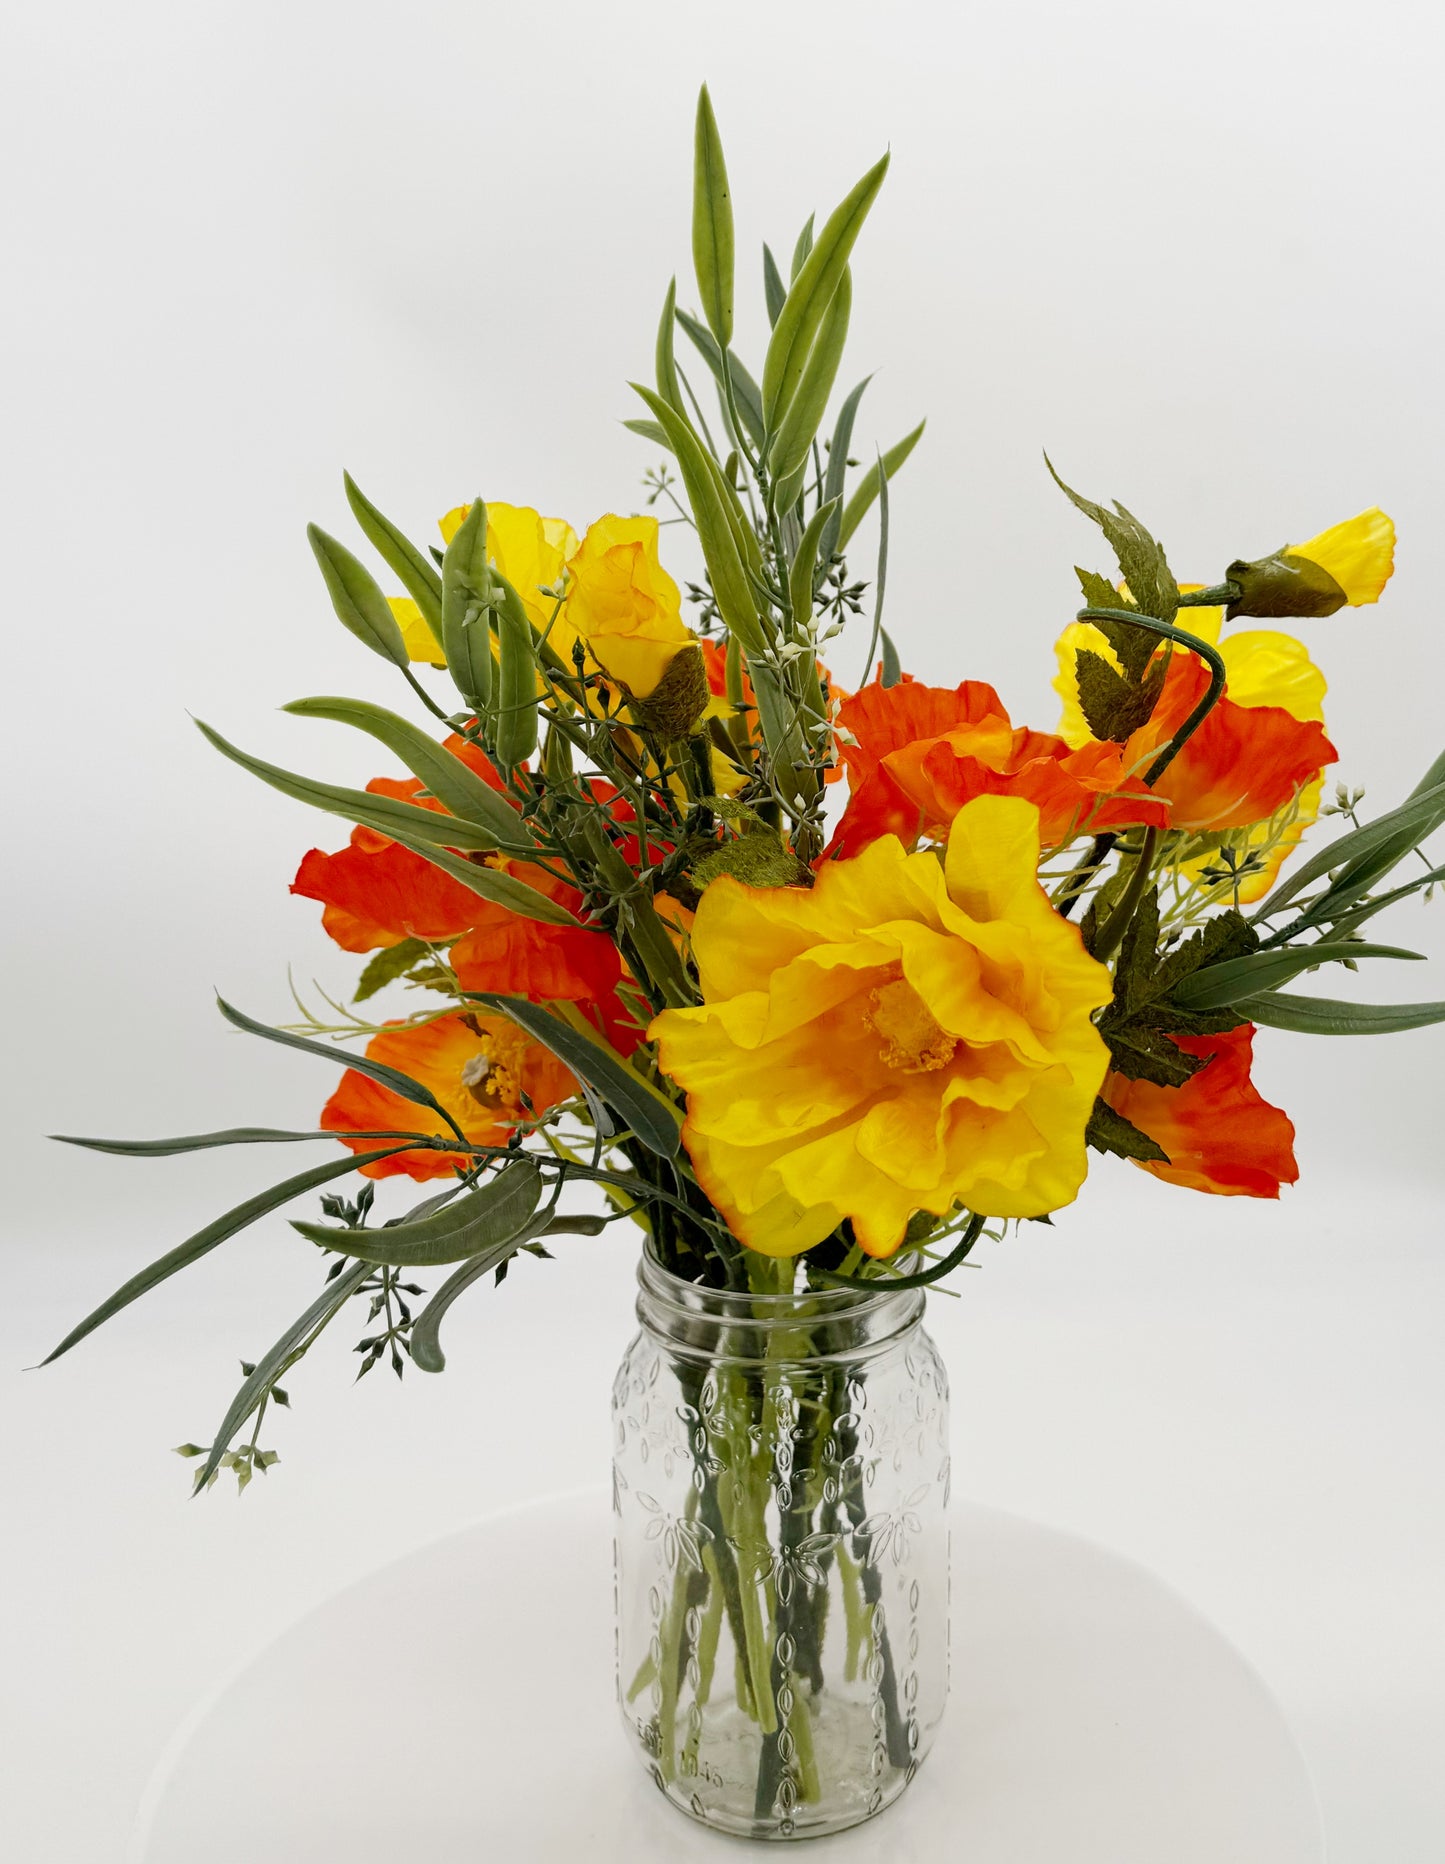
(780, 1488)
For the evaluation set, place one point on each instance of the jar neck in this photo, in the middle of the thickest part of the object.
(814, 1325)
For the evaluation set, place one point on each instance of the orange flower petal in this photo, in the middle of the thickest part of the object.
(1219, 1131)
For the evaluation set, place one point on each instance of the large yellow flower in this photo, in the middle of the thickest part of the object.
(623, 603)
(531, 552)
(909, 1034)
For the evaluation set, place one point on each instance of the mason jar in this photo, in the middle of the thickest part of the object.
(780, 1487)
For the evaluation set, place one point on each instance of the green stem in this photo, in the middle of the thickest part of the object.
(1111, 933)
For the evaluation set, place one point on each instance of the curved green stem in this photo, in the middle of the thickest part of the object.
(887, 1284)
(1111, 933)
(1209, 655)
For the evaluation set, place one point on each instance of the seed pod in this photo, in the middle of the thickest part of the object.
(516, 690)
(465, 620)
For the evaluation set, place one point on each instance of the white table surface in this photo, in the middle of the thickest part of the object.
(1248, 1402)
(459, 1703)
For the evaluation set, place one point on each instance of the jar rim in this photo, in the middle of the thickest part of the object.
(677, 1292)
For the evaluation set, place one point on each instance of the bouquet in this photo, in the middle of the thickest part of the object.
(701, 915)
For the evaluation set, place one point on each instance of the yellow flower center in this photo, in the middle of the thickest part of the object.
(912, 1040)
(495, 1079)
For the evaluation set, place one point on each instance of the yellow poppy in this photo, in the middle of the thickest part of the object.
(911, 1033)
(623, 603)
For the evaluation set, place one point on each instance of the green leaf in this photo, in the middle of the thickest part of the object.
(332, 1298)
(200, 1142)
(218, 1232)
(799, 426)
(1219, 984)
(388, 964)
(837, 473)
(892, 666)
(1114, 707)
(1109, 1131)
(774, 290)
(1369, 851)
(805, 563)
(425, 1343)
(668, 385)
(650, 430)
(1347, 922)
(516, 719)
(802, 246)
(746, 393)
(489, 883)
(810, 295)
(1324, 1016)
(416, 570)
(358, 602)
(456, 786)
(858, 506)
(1142, 562)
(491, 1214)
(720, 550)
(712, 223)
(388, 815)
(654, 1118)
(392, 1078)
(1364, 870)
(1144, 1054)
(466, 626)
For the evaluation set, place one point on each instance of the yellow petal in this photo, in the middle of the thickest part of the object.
(1359, 554)
(622, 602)
(421, 643)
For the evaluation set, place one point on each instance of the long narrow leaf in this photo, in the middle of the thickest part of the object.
(1345, 922)
(1217, 984)
(1325, 1016)
(799, 425)
(416, 570)
(650, 1115)
(269, 1367)
(483, 1218)
(811, 293)
(833, 484)
(215, 1233)
(774, 290)
(746, 393)
(425, 1342)
(392, 1078)
(455, 785)
(388, 815)
(201, 1142)
(1393, 834)
(858, 506)
(668, 385)
(712, 223)
(359, 603)
(490, 884)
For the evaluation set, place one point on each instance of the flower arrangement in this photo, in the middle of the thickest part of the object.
(802, 1036)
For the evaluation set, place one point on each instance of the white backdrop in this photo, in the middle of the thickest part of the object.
(1191, 250)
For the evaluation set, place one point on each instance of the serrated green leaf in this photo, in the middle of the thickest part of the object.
(359, 603)
(491, 1214)
(219, 1231)
(388, 815)
(1113, 706)
(1326, 1016)
(654, 1118)
(810, 294)
(1143, 1054)
(418, 574)
(455, 785)
(1109, 1131)
(388, 964)
(1236, 978)
(1141, 559)
(866, 491)
(712, 223)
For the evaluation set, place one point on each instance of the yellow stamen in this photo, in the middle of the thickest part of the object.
(913, 1041)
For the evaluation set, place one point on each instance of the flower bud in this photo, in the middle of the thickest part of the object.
(1346, 566)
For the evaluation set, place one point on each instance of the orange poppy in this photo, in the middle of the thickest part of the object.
(1220, 1133)
(481, 1068)
(1242, 764)
(500, 950)
(922, 752)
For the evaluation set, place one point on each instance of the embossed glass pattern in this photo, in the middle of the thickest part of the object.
(780, 1487)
